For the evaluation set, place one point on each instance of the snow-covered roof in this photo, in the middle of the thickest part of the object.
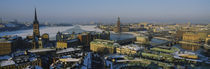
(67, 50)
(7, 62)
(41, 50)
(132, 47)
(70, 60)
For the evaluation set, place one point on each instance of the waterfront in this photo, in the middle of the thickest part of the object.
(52, 31)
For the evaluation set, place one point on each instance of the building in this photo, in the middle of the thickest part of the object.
(71, 58)
(36, 26)
(117, 29)
(189, 45)
(208, 40)
(36, 33)
(125, 29)
(191, 37)
(5, 47)
(45, 40)
(61, 44)
(20, 62)
(67, 43)
(179, 34)
(202, 35)
(128, 49)
(142, 39)
(85, 38)
(103, 46)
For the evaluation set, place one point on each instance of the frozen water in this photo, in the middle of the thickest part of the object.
(52, 31)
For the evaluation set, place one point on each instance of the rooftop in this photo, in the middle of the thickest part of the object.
(41, 50)
(68, 50)
(105, 42)
(132, 47)
(7, 62)
(4, 41)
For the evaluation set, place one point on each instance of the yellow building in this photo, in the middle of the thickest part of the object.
(142, 39)
(189, 45)
(61, 44)
(191, 37)
(208, 40)
(103, 46)
(128, 49)
(5, 47)
(202, 35)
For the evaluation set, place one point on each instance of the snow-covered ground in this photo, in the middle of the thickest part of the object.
(52, 31)
(91, 28)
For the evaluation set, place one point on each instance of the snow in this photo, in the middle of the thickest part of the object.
(7, 62)
(67, 50)
(91, 28)
(52, 31)
(32, 59)
(41, 50)
(70, 60)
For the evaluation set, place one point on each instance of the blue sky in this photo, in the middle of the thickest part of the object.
(83, 11)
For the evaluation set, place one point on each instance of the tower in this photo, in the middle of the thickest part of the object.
(118, 25)
(36, 32)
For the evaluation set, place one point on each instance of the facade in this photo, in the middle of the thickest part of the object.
(202, 35)
(128, 49)
(208, 40)
(103, 46)
(5, 47)
(85, 38)
(67, 44)
(191, 37)
(61, 44)
(142, 39)
(189, 45)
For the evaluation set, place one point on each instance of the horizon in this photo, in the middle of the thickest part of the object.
(69, 11)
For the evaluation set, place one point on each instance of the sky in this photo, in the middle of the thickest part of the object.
(107, 11)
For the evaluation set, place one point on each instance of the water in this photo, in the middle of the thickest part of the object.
(52, 31)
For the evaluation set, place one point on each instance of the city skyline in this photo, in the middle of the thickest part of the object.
(94, 34)
(107, 11)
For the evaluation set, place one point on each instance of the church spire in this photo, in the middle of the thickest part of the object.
(35, 17)
(118, 18)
